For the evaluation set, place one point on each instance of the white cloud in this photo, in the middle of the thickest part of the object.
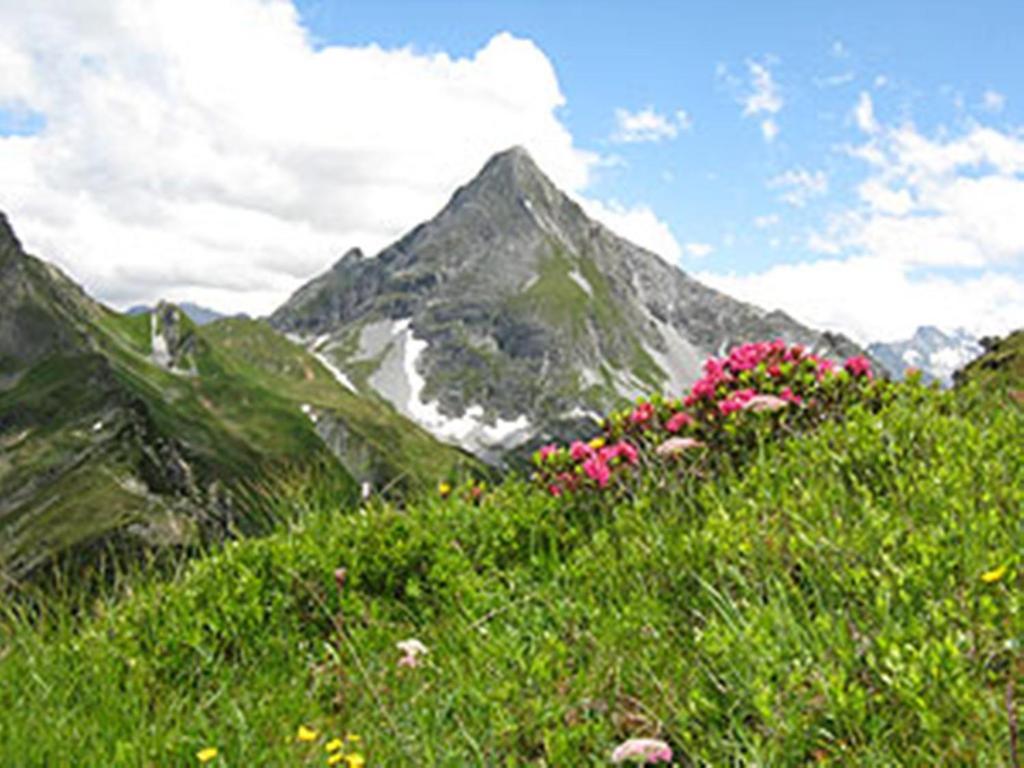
(638, 224)
(766, 221)
(864, 113)
(698, 250)
(174, 165)
(648, 125)
(835, 81)
(762, 98)
(799, 185)
(993, 101)
(936, 238)
(873, 299)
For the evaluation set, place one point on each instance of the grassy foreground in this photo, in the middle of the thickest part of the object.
(848, 597)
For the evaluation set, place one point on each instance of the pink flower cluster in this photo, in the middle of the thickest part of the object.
(761, 378)
(594, 460)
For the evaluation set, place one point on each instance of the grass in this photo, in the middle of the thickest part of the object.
(824, 603)
(1001, 368)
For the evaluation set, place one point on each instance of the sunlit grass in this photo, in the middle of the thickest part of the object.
(849, 597)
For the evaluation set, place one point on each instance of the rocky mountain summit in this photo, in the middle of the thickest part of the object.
(512, 317)
(936, 354)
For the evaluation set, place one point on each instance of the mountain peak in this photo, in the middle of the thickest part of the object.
(512, 170)
(7, 237)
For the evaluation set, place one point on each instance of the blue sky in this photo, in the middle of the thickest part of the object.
(934, 63)
(860, 165)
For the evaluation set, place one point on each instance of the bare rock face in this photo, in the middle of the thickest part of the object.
(512, 315)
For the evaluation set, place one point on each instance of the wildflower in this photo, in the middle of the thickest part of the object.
(858, 366)
(355, 760)
(736, 401)
(444, 489)
(678, 421)
(675, 446)
(352, 737)
(547, 451)
(334, 745)
(580, 451)
(597, 470)
(787, 395)
(206, 755)
(642, 413)
(647, 750)
(336, 758)
(340, 574)
(627, 452)
(555, 489)
(412, 649)
(597, 443)
(991, 577)
(305, 734)
(760, 403)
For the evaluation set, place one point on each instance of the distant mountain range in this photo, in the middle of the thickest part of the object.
(512, 317)
(936, 354)
(197, 314)
(122, 431)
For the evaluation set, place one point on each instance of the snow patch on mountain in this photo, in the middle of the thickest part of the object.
(935, 353)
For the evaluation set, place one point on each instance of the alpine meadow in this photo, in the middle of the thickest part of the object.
(500, 384)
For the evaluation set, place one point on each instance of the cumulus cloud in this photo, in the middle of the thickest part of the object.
(936, 237)
(763, 98)
(172, 164)
(864, 113)
(798, 185)
(698, 250)
(648, 125)
(872, 298)
(638, 224)
(993, 101)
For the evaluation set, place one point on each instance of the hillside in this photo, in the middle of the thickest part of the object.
(1000, 367)
(126, 431)
(851, 597)
(512, 317)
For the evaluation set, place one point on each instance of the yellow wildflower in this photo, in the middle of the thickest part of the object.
(355, 760)
(990, 577)
(305, 734)
(596, 443)
(334, 745)
(444, 489)
(206, 755)
(336, 758)
(352, 737)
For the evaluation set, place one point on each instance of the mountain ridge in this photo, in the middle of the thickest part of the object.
(511, 316)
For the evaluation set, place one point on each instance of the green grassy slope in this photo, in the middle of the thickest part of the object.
(397, 451)
(102, 441)
(1001, 367)
(850, 597)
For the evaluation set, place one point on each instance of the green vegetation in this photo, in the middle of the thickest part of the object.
(1001, 368)
(852, 596)
(103, 440)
